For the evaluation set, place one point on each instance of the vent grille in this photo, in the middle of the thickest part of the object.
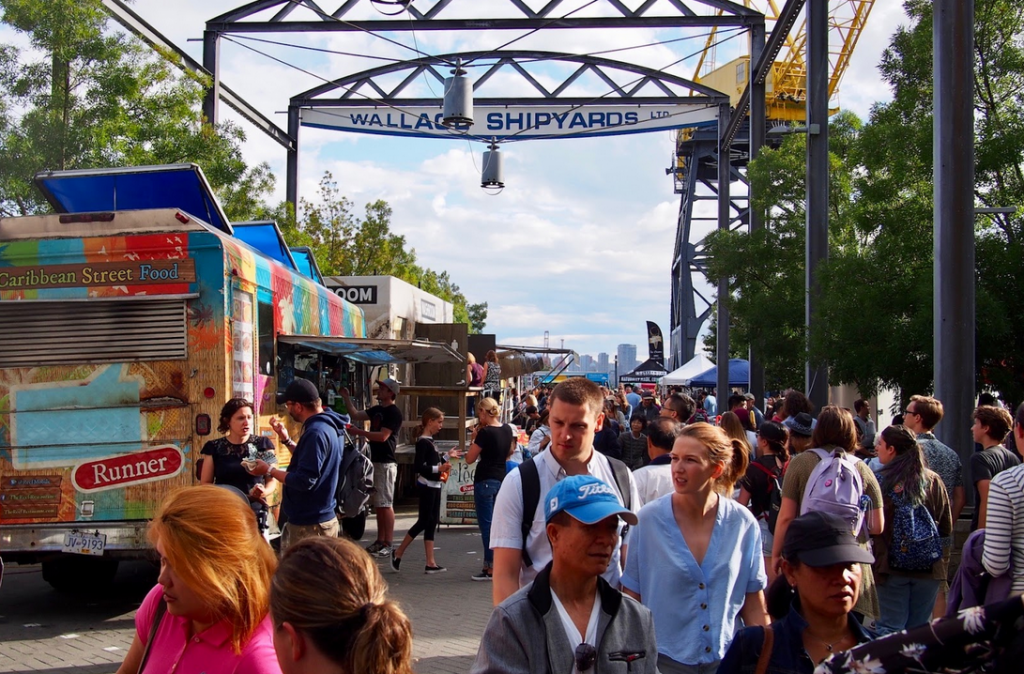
(102, 331)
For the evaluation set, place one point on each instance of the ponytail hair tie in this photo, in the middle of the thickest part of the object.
(364, 611)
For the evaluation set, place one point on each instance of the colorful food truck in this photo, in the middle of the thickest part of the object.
(129, 317)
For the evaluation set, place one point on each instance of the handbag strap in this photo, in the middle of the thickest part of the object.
(766, 650)
(161, 608)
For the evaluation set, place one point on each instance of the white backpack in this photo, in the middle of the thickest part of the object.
(835, 486)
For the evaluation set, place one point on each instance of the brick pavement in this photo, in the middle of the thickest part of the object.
(44, 631)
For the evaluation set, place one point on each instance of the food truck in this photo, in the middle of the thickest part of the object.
(130, 317)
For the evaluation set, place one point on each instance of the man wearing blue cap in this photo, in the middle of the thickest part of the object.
(569, 619)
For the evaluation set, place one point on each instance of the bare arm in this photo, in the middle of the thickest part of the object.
(982, 504)
(373, 436)
(473, 453)
(134, 657)
(353, 412)
(744, 497)
(630, 593)
(505, 580)
(876, 522)
(206, 477)
(754, 611)
(959, 501)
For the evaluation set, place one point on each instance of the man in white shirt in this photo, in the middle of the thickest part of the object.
(655, 479)
(576, 415)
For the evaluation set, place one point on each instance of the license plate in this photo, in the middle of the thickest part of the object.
(84, 544)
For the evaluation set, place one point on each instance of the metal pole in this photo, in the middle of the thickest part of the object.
(953, 148)
(211, 61)
(817, 183)
(758, 124)
(722, 322)
(291, 187)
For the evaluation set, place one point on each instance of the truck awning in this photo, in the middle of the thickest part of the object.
(130, 188)
(377, 351)
(266, 237)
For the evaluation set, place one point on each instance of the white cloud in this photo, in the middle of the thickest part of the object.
(580, 241)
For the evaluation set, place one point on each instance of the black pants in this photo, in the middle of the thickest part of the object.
(430, 512)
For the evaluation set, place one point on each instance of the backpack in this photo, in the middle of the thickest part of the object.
(531, 494)
(698, 416)
(972, 585)
(774, 493)
(355, 481)
(916, 544)
(836, 487)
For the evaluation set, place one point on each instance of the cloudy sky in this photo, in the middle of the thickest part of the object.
(579, 242)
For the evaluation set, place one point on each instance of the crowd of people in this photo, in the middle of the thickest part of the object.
(626, 535)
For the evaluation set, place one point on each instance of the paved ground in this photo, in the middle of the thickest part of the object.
(44, 631)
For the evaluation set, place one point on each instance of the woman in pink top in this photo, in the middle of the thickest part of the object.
(209, 612)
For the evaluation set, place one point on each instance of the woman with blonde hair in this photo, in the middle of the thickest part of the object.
(431, 473)
(209, 610)
(331, 613)
(493, 444)
(704, 546)
(733, 427)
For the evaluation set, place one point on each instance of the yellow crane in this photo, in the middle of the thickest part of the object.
(787, 84)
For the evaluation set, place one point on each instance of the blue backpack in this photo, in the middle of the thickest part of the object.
(916, 544)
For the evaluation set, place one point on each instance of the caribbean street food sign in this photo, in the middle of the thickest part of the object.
(519, 121)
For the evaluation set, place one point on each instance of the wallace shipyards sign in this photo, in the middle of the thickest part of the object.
(523, 122)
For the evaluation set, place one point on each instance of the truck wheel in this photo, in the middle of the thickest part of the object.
(78, 573)
(354, 527)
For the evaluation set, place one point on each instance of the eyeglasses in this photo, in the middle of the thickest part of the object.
(906, 412)
(586, 656)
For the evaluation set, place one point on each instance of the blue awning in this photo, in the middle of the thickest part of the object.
(181, 186)
(264, 236)
(306, 263)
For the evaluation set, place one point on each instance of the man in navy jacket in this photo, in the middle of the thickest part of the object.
(312, 476)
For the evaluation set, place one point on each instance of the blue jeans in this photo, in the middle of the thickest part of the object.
(485, 493)
(904, 603)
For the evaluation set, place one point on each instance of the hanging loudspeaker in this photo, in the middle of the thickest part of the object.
(491, 175)
(458, 99)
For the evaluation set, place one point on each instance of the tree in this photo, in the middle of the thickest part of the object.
(97, 98)
(876, 310)
(766, 267)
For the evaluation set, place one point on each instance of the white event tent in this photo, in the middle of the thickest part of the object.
(690, 369)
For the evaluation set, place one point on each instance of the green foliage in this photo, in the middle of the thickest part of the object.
(876, 314)
(346, 246)
(85, 96)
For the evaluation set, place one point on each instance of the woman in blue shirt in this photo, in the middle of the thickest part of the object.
(695, 556)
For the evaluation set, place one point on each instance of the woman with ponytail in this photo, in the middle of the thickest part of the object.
(695, 556)
(762, 484)
(330, 612)
(431, 473)
(906, 595)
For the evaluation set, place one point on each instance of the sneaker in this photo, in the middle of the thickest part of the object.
(434, 569)
(375, 548)
(396, 562)
(484, 575)
(385, 550)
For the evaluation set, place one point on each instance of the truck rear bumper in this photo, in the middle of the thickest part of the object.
(30, 543)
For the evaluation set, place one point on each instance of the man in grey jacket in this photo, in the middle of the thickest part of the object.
(569, 619)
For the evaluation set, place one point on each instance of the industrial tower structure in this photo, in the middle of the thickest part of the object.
(695, 168)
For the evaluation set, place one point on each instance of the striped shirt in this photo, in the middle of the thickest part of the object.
(1004, 527)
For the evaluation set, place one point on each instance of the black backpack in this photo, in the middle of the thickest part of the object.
(355, 480)
(531, 494)
(774, 493)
